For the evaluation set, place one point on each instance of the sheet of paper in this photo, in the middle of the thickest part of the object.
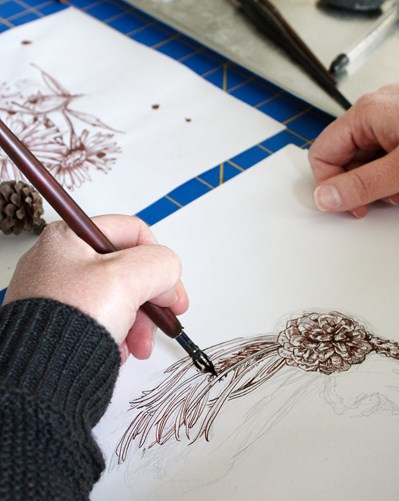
(254, 251)
(119, 124)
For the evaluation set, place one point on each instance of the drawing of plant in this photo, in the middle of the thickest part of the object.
(42, 116)
(39, 134)
(85, 153)
(186, 403)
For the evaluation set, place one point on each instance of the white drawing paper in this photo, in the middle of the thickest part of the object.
(254, 251)
(119, 124)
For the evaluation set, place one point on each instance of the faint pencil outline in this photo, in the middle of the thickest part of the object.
(186, 403)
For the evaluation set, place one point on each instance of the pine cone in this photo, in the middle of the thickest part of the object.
(21, 208)
(324, 342)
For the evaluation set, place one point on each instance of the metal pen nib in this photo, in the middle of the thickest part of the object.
(87, 230)
(199, 358)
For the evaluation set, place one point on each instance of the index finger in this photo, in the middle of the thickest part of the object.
(125, 231)
(354, 138)
(334, 148)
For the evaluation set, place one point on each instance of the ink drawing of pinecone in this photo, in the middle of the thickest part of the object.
(21, 208)
(325, 343)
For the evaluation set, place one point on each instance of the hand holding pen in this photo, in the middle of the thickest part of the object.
(108, 287)
(85, 228)
(355, 160)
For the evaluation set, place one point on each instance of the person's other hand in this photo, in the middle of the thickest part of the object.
(108, 287)
(355, 160)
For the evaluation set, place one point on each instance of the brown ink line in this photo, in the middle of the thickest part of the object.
(221, 173)
(182, 404)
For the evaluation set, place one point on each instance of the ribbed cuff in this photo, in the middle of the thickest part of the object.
(59, 355)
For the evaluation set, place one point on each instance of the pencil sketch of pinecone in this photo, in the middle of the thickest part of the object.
(21, 208)
(326, 343)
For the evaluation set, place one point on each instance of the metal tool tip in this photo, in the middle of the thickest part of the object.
(203, 363)
(199, 358)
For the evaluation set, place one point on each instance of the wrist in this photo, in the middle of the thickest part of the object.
(57, 354)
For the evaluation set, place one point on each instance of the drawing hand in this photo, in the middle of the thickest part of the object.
(108, 287)
(355, 160)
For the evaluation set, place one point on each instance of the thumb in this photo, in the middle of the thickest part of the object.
(127, 279)
(360, 186)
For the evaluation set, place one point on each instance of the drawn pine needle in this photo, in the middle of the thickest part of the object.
(187, 402)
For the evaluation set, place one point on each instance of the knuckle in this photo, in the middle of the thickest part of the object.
(373, 104)
(366, 100)
(57, 236)
(360, 188)
(367, 107)
(390, 89)
(140, 221)
(54, 228)
(50, 232)
(173, 259)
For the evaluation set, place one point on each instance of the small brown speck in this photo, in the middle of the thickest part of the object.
(155, 106)
(187, 119)
(26, 42)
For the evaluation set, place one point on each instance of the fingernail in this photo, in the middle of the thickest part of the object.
(358, 213)
(326, 197)
(124, 352)
(393, 201)
(153, 340)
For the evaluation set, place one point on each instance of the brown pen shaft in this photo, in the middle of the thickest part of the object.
(75, 217)
(284, 25)
(268, 19)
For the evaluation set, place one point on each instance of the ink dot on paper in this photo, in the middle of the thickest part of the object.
(26, 42)
(155, 106)
(187, 119)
